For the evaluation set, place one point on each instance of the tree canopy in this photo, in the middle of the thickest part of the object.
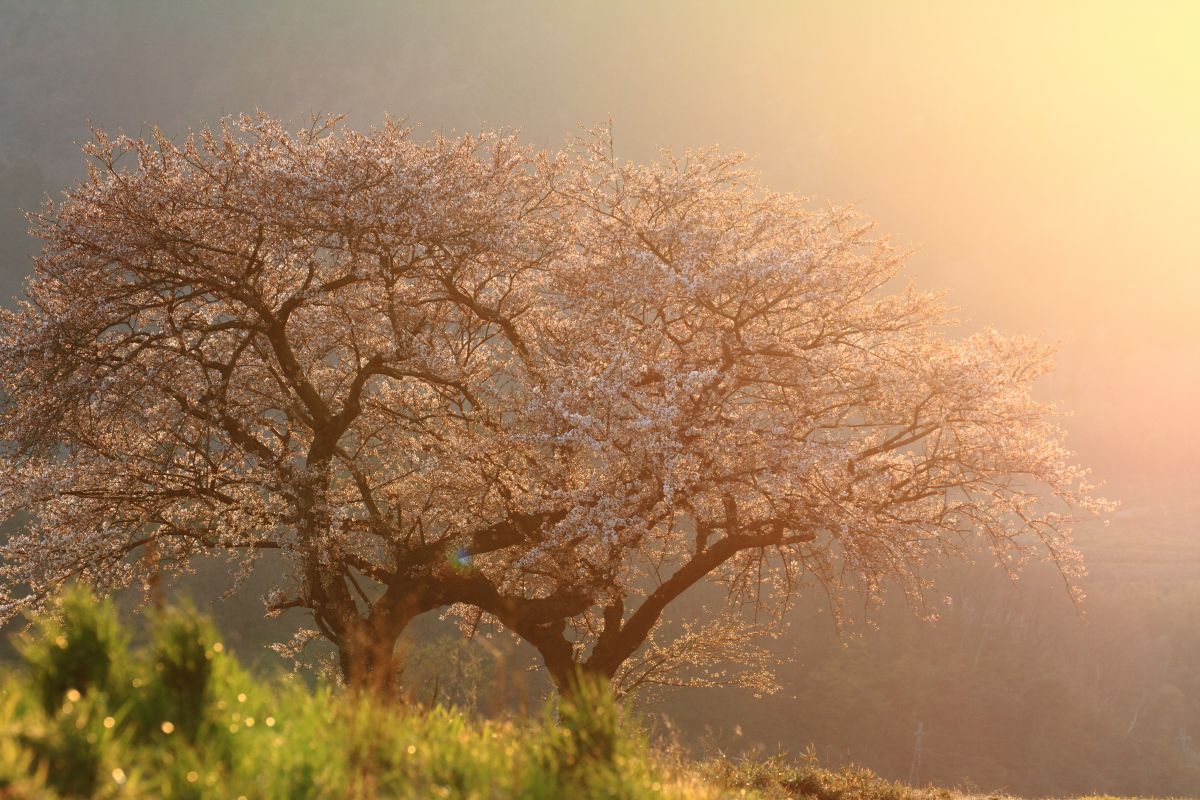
(552, 390)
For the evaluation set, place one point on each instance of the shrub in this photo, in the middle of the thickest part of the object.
(78, 646)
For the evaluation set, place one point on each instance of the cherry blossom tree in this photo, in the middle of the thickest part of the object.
(552, 391)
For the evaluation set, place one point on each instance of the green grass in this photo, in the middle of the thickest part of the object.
(87, 716)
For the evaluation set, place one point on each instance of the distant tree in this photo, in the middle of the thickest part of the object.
(554, 391)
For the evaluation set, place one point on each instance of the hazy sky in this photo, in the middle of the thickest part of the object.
(1042, 158)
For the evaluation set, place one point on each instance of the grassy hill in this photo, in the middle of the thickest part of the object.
(88, 716)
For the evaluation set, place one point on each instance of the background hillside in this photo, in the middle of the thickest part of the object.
(1014, 689)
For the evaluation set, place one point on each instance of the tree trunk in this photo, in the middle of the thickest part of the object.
(568, 681)
(369, 663)
(367, 641)
(558, 654)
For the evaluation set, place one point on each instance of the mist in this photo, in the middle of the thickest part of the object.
(1040, 161)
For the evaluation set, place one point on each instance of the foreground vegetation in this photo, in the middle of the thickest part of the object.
(178, 717)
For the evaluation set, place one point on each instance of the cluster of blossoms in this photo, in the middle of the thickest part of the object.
(547, 389)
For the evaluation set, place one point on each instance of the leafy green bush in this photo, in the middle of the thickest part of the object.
(79, 646)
